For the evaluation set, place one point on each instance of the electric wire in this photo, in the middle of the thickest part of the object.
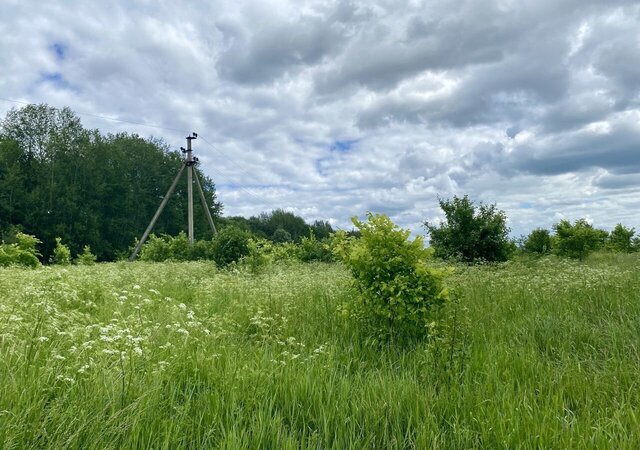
(238, 166)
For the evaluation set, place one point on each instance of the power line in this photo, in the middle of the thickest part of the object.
(246, 191)
(238, 166)
(229, 158)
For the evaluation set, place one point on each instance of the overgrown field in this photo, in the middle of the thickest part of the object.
(537, 355)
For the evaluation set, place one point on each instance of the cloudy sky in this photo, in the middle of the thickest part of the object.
(333, 108)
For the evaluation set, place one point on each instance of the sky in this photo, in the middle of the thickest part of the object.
(330, 109)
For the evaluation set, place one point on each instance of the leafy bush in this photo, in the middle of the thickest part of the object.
(156, 249)
(577, 240)
(61, 254)
(398, 291)
(312, 249)
(538, 241)
(259, 256)
(281, 235)
(230, 245)
(175, 248)
(86, 258)
(471, 233)
(263, 252)
(22, 252)
(621, 239)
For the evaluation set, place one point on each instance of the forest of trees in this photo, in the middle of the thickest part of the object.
(59, 179)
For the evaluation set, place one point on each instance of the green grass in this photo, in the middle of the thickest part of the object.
(534, 355)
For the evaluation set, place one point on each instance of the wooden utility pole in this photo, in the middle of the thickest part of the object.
(189, 162)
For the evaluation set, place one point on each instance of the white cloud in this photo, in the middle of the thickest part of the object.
(332, 108)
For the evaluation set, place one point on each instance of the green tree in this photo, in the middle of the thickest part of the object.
(621, 239)
(538, 241)
(470, 232)
(86, 258)
(266, 224)
(577, 240)
(321, 229)
(281, 235)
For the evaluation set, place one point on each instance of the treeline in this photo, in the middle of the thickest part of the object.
(279, 226)
(67, 189)
(59, 179)
(63, 183)
(471, 233)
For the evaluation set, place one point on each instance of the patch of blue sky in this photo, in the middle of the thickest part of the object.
(343, 146)
(321, 165)
(56, 79)
(59, 50)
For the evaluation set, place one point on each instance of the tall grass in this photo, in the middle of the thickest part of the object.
(538, 354)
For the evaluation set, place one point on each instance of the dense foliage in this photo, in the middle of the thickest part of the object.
(470, 232)
(21, 252)
(577, 240)
(230, 245)
(58, 179)
(280, 226)
(398, 291)
(538, 242)
(621, 239)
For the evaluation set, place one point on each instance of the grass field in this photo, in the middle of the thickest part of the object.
(535, 355)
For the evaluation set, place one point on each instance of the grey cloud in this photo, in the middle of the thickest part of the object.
(508, 101)
(262, 55)
(617, 149)
(617, 181)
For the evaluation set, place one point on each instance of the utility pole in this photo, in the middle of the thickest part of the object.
(189, 162)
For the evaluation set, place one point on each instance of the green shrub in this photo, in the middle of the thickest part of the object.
(398, 291)
(175, 248)
(281, 235)
(201, 249)
(577, 240)
(86, 258)
(538, 242)
(230, 245)
(61, 254)
(22, 252)
(621, 239)
(260, 255)
(179, 247)
(263, 252)
(312, 249)
(155, 249)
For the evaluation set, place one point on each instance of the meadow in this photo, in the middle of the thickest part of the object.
(531, 354)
